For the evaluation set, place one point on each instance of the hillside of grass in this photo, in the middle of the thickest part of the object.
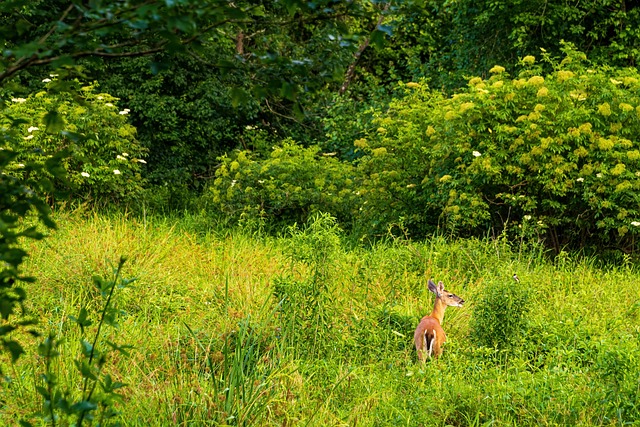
(241, 328)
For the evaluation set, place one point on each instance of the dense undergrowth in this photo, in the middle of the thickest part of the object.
(240, 328)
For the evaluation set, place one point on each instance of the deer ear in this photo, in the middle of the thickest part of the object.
(432, 287)
(440, 288)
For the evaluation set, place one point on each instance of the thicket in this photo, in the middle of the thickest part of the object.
(501, 315)
(277, 66)
(99, 154)
(444, 42)
(545, 156)
(289, 186)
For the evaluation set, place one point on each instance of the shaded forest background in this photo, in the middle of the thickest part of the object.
(199, 83)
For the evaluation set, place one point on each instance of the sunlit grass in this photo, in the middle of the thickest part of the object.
(244, 329)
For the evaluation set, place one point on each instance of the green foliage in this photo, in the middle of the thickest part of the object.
(316, 245)
(500, 315)
(194, 74)
(183, 115)
(557, 152)
(243, 375)
(63, 33)
(18, 201)
(289, 186)
(100, 392)
(267, 71)
(103, 161)
(618, 369)
(572, 367)
(305, 307)
(443, 42)
(351, 118)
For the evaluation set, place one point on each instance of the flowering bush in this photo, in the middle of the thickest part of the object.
(103, 160)
(557, 153)
(289, 186)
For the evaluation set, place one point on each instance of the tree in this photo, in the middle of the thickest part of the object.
(38, 36)
(447, 41)
(195, 73)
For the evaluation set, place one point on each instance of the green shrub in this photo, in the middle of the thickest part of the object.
(104, 159)
(618, 372)
(97, 393)
(306, 308)
(19, 199)
(500, 316)
(558, 152)
(289, 186)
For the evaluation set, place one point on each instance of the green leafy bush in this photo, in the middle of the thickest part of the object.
(100, 392)
(289, 186)
(18, 200)
(500, 316)
(618, 371)
(104, 159)
(559, 153)
(307, 308)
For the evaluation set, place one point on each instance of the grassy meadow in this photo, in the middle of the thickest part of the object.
(241, 328)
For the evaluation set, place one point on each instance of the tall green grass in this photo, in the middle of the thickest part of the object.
(239, 328)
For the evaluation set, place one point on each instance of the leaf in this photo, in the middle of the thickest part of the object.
(387, 29)
(377, 38)
(6, 329)
(238, 96)
(86, 371)
(61, 402)
(42, 391)
(14, 348)
(87, 348)
(53, 121)
(103, 285)
(111, 317)
(63, 61)
(126, 282)
(288, 91)
(122, 349)
(292, 6)
(109, 386)
(82, 320)
(47, 348)
(84, 406)
(73, 136)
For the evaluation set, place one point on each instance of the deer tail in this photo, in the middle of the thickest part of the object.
(428, 341)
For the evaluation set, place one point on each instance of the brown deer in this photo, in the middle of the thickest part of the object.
(429, 335)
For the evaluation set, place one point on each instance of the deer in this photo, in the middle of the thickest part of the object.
(429, 335)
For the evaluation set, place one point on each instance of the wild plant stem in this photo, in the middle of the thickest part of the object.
(49, 382)
(97, 336)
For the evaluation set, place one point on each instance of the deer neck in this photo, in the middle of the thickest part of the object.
(438, 310)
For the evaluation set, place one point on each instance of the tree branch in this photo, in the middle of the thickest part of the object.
(351, 71)
(54, 26)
